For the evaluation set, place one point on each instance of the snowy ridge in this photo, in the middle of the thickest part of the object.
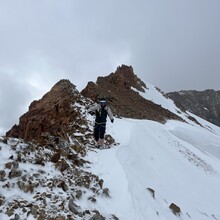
(153, 166)
(155, 95)
(154, 156)
(179, 161)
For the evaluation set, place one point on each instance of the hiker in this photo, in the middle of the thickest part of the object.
(101, 111)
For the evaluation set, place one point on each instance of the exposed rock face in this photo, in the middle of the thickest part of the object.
(54, 113)
(57, 113)
(124, 100)
(205, 104)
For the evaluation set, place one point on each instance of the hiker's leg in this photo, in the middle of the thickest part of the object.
(96, 133)
(101, 135)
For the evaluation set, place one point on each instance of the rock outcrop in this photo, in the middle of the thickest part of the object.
(122, 91)
(57, 113)
(205, 104)
(51, 141)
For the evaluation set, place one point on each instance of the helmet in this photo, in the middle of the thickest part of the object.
(102, 102)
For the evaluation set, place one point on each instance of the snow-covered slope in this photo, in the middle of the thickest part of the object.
(153, 166)
(179, 161)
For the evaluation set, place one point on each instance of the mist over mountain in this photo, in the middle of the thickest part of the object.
(159, 161)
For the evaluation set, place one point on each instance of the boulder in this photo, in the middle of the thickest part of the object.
(175, 209)
(2, 175)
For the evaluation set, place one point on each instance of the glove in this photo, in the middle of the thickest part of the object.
(112, 120)
(91, 113)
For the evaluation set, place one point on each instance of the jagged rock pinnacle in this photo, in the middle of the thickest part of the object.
(52, 114)
(119, 88)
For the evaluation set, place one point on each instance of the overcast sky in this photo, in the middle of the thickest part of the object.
(173, 44)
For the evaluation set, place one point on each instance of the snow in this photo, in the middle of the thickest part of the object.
(152, 94)
(180, 162)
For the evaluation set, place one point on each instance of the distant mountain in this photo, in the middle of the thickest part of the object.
(205, 104)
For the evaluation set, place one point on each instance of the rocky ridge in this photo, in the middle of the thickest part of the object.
(43, 172)
(57, 113)
(44, 164)
(121, 89)
(205, 104)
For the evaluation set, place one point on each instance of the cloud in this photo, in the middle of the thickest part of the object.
(15, 96)
(171, 44)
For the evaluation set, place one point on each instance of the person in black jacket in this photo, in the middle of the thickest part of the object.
(101, 112)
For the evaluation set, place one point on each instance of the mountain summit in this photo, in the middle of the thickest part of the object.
(56, 114)
(122, 89)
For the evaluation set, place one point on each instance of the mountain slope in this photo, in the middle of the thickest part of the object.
(161, 158)
(205, 104)
(168, 170)
(179, 161)
(56, 113)
(42, 165)
(122, 89)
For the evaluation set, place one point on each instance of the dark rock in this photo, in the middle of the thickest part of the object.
(55, 158)
(15, 165)
(97, 217)
(87, 212)
(106, 192)
(8, 165)
(60, 218)
(21, 185)
(64, 186)
(10, 212)
(175, 209)
(152, 192)
(14, 173)
(101, 182)
(34, 210)
(73, 207)
(79, 194)
(92, 199)
(26, 187)
(2, 175)
(40, 161)
(84, 181)
(4, 140)
(2, 200)
(62, 165)
(16, 217)
(205, 104)
(115, 217)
